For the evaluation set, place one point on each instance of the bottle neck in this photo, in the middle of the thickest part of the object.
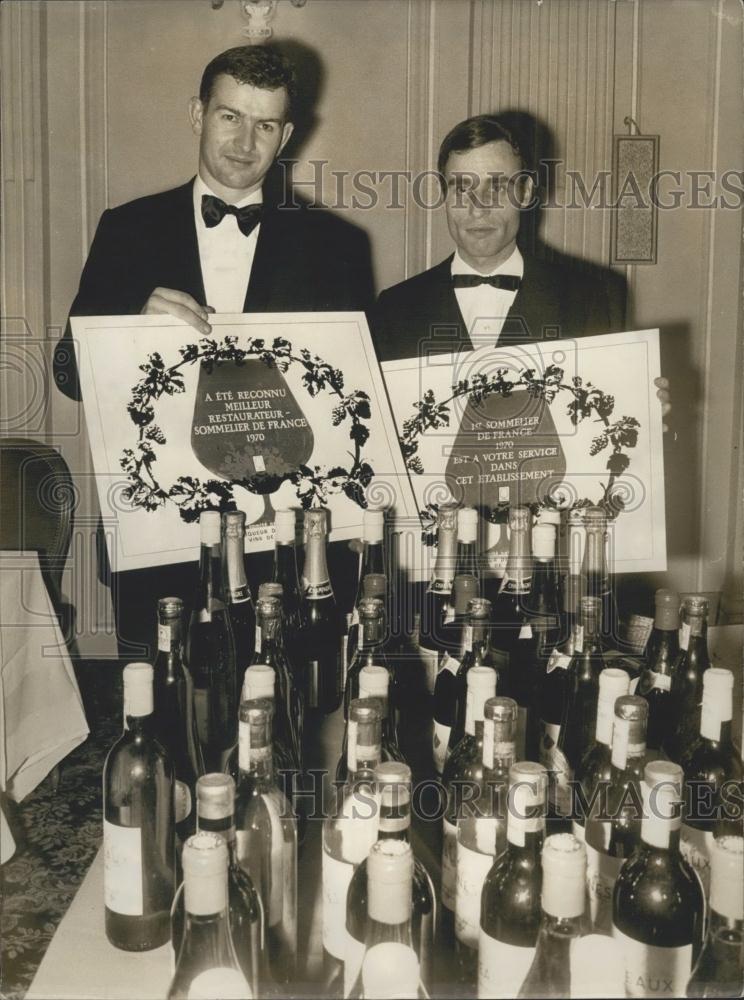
(518, 575)
(595, 563)
(205, 896)
(170, 637)
(285, 569)
(443, 575)
(137, 725)
(270, 639)
(522, 842)
(254, 761)
(234, 573)
(224, 825)
(715, 717)
(373, 558)
(315, 578)
(211, 592)
(605, 720)
(660, 833)
(693, 633)
(371, 632)
(395, 820)
(498, 753)
(628, 743)
(474, 716)
(363, 750)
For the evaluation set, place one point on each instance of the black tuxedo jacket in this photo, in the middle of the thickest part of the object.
(560, 298)
(306, 260)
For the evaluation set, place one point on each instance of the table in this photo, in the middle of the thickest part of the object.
(41, 710)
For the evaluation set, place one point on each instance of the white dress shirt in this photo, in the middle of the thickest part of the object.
(226, 256)
(485, 308)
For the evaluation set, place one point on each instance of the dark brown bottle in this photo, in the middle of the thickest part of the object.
(325, 627)
(655, 683)
(686, 695)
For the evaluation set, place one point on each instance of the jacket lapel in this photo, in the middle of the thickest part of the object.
(536, 307)
(450, 324)
(184, 251)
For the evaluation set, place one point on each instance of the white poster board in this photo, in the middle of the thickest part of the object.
(517, 441)
(168, 434)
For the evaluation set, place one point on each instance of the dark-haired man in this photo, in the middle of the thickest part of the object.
(214, 245)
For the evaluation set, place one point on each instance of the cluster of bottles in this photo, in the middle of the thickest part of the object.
(591, 838)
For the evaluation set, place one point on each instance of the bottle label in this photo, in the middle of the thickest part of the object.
(122, 869)
(449, 864)
(440, 742)
(558, 661)
(182, 797)
(662, 682)
(317, 591)
(164, 638)
(554, 760)
(651, 971)
(602, 871)
(467, 639)
(684, 635)
(502, 968)
(441, 585)
(696, 847)
(637, 633)
(223, 982)
(257, 646)
(472, 868)
(525, 632)
(336, 878)
(578, 639)
(239, 595)
(449, 614)
(430, 659)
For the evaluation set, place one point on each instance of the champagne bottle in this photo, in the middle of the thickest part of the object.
(511, 633)
(712, 769)
(614, 830)
(393, 781)
(467, 562)
(138, 824)
(173, 718)
(655, 681)
(390, 870)
(284, 572)
(210, 654)
(658, 903)
(579, 719)
(562, 923)
(349, 833)
(686, 695)
(463, 769)
(719, 971)
(446, 686)
(481, 830)
(242, 612)
(374, 683)
(510, 903)
(596, 577)
(595, 769)
(438, 594)
(266, 838)
(215, 808)
(325, 628)
(207, 963)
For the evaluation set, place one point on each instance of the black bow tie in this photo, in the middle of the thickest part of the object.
(508, 281)
(214, 211)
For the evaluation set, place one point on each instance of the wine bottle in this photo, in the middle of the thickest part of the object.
(579, 719)
(138, 824)
(438, 594)
(464, 768)
(510, 903)
(510, 633)
(595, 767)
(349, 833)
(456, 635)
(393, 782)
(266, 838)
(481, 830)
(215, 808)
(240, 604)
(210, 653)
(562, 923)
(173, 717)
(207, 964)
(324, 624)
(284, 572)
(542, 603)
(596, 578)
(374, 683)
(597, 968)
(390, 870)
(658, 903)
(655, 681)
(719, 970)
(373, 586)
(613, 831)
(467, 562)
(712, 768)
(686, 695)
(370, 649)
(373, 549)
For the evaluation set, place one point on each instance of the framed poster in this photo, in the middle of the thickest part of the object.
(559, 423)
(271, 411)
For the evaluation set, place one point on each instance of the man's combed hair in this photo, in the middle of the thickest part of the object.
(262, 66)
(475, 132)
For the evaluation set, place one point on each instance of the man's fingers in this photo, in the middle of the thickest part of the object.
(161, 305)
(663, 395)
(661, 382)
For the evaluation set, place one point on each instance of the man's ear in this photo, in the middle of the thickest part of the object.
(196, 114)
(528, 189)
(286, 133)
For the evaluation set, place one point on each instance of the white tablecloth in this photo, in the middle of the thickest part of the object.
(41, 711)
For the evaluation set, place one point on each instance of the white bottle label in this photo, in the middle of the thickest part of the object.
(684, 635)
(258, 638)
(602, 871)
(449, 864)
(440, 741)
(554, 760)
(502, 968)
(164, 638)
(182, 796)
(663, 682)
(449, 614)
(651, 971)
(430, 659)
(558, 661)
(336, 878)
(696, 847)
(467, 639)
(525, 632)
(472, 868)
(225, 983)
(122, 869)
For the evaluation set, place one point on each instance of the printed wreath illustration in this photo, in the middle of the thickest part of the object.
(621, 434)
(191, 495)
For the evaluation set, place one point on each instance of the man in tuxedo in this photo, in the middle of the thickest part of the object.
(215, 245)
